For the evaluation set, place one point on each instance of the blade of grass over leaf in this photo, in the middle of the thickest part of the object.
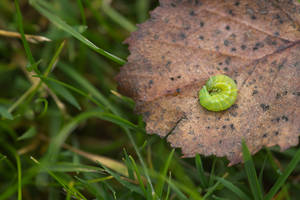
(67, 28)
(251, 173)
(282, 178)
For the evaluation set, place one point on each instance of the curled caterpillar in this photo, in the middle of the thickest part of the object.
(219, 93)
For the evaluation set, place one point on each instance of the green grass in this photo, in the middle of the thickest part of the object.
(66, 133)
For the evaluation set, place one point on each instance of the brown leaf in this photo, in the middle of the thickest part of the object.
(173, 54)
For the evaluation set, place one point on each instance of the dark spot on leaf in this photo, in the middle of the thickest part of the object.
(146, 114)
(224, 126)
(232, 126)
(192, 13)
(243, 47)
(233, 49)
(278, 96)
(296, 93)
(168, 65)
(227, 27)
(201, 37)
(227, 60)
(234, 106)
(237, 3)
(225, 68)
(182, 36)
(178, 90)
(285, 118)
(226, 42)
(233, 35)
(277, 119)
(265, 135)
(254, 92)
(265, 107)
(230, 12)
(201, 24)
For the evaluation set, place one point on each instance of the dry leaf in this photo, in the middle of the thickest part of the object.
(255, 42)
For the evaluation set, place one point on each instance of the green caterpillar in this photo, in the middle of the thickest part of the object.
(219, 93)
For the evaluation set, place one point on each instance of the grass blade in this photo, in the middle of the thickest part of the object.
(28, 134)
(68, 70)
(19, 176)
(61, 181)
(199, 166)
(233, 188)
(123, 182)
(138, 175)
(118, 18)
(5, 113)
(23, 38)
(67, 28)
(129, 166)
(251, 173)
(282, 178)
(213, 188)
(64, 93)
(161, 181)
